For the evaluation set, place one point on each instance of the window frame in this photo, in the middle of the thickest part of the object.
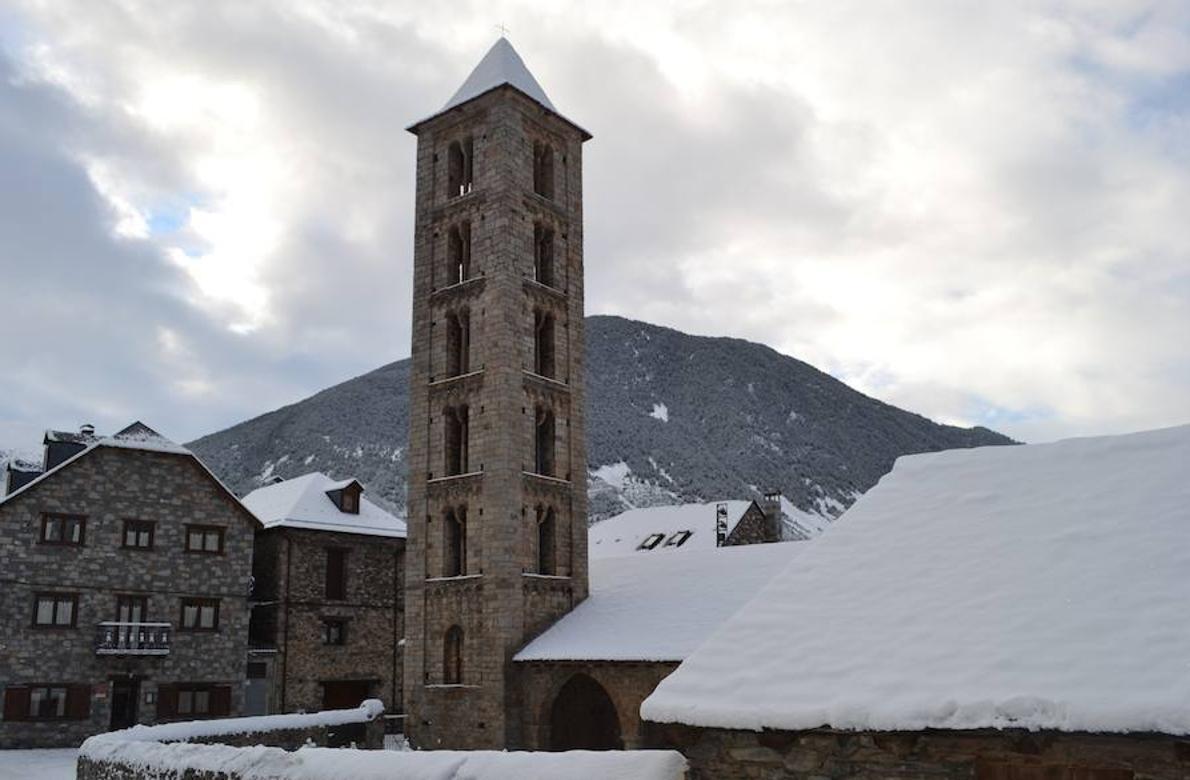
(339, 592)
(205, 530)
(58, 598)
(199, 602)
(138, 527)
(334, 623)
(61, 518)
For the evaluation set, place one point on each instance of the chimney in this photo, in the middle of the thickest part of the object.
(87, 429)
(770, 504)
(720, 525)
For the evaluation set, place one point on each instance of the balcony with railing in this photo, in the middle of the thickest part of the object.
(116, 638)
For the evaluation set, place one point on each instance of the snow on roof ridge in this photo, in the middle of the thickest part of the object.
(501, 65)
(1040, 587)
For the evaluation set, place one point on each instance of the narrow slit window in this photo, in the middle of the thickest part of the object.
(458, 253)
(543, 255)
(543, 460)
(458, 343)
(452, 656)
(457, 439)
(544, 363)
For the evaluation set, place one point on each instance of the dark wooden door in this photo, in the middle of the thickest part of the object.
(125, 695)
(345, 694)
(583, 717)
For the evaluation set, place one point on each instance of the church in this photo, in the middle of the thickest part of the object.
(800, 660)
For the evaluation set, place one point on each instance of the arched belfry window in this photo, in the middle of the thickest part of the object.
(454, 542)
(457, 438)
(544, 363)
(459, 167)
(458, 342)
(546, 541)
(452, 656)
(458, 253)
(543, 441)
(543, 255)
(543, 170)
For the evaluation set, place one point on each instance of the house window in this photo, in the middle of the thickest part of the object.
(67, 530)
(200, 614)
(334, 631)
(678, 539)
(47, 701)
(193, 700)
(543, 344)
(206, 539)
(457, 439)
(458, 342)
(460, 167)
(543, 440)
(543, 255)
(55, 610)
(455, 543)
(138, 534)
(458, 253)
(546, 526)
(543, 170)
(452, 657)
(336, 574)
(131, 609)
(348, 503)
(651, 541)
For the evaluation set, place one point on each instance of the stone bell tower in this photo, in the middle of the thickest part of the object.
(497, 547)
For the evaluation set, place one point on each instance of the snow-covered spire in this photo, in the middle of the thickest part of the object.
(501, 65)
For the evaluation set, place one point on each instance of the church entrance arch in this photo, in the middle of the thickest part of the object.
(583, 717)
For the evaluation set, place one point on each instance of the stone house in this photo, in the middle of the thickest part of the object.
(687, 527)
(125, 567)
(1004, 613)
(327, 626)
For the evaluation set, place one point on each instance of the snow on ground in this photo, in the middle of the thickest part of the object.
(660, 412)
(624, 533)
(57, 764)
(660, 607)
(1042, 587)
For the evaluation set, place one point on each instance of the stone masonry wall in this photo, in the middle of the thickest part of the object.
(754, 528)
(722, 754)
(109, 485)
(296, 610)
(497, 606)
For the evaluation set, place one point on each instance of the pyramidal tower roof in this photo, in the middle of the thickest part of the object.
(501, 65)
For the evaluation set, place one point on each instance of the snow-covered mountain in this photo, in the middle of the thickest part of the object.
(671, 417)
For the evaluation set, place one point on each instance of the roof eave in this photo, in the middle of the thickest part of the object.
(417, 126)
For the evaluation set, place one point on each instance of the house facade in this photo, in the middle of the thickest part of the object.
(125, 568)
(327, 627)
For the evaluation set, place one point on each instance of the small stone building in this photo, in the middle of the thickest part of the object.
(327, 626)
(687, 527)
(1004, 613)
(124, 576)
(585, 677)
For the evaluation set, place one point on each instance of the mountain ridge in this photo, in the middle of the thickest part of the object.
(670, 418)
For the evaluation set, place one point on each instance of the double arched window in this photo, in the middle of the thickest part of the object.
(460, 168)
(546, 540)
(454, 543)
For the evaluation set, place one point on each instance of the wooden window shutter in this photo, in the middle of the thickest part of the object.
(78, 702)
(220, 701)
(16, 703)
(167, 701)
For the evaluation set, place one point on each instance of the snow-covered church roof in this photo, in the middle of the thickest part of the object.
(661, 529)
(659, 608)
(1041, 587)
(501, 65)
(305, 503)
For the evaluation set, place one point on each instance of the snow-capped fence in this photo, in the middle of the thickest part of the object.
(252, 749)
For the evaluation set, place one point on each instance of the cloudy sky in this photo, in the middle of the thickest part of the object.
(977, 211)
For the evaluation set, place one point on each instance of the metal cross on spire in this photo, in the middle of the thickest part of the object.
(503, 30)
